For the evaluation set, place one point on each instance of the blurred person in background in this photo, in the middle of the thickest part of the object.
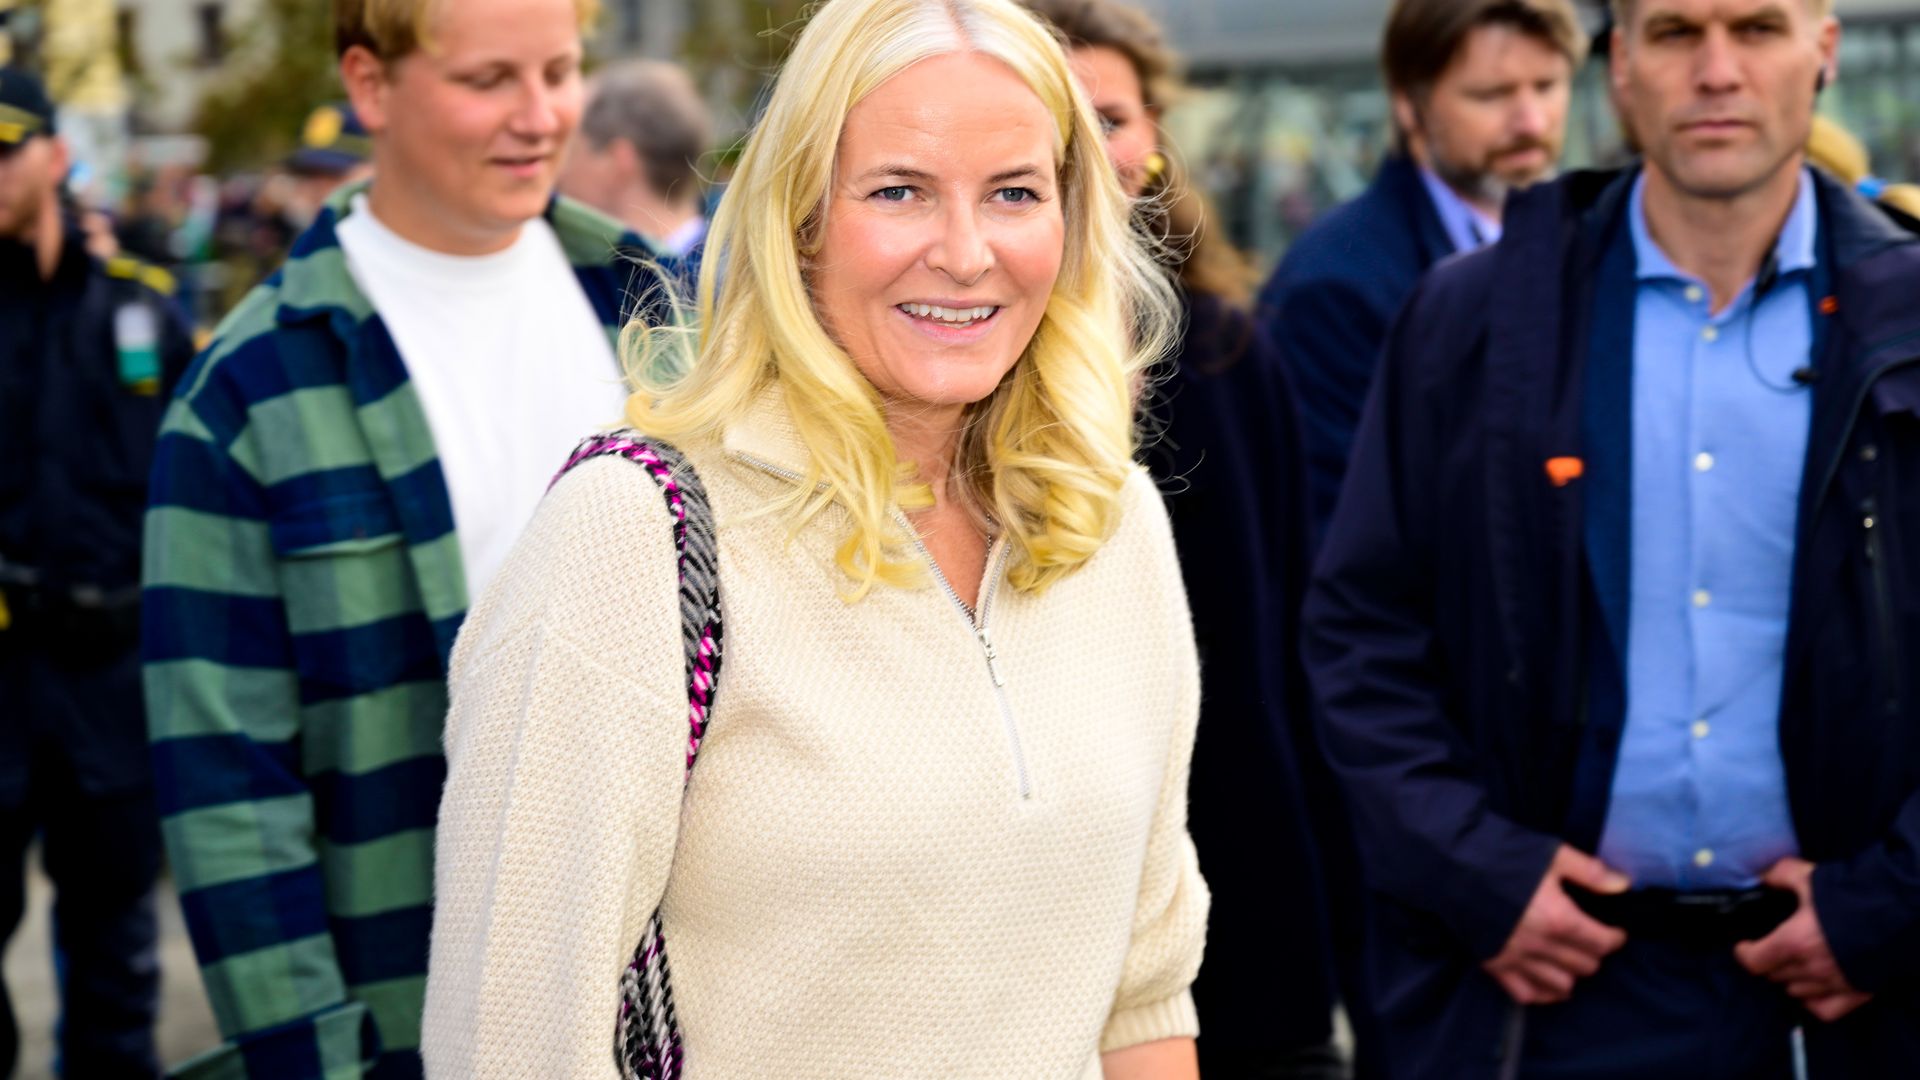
(260, 216)
(1224, 448)
(638, 156)
(1835, 149)
(335, 150)
(88, 347)
(346, 466)
(1479, 92)
(1616, 626)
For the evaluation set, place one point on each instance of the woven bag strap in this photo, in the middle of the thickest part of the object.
(698, 556)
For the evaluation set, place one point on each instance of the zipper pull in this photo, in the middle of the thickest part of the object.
(993, 657)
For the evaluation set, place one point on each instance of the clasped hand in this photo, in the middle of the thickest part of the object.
(1555, 944)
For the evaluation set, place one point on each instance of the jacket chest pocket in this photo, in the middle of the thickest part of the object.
(352, 601)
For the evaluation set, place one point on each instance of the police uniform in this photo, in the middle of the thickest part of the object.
(86, 358)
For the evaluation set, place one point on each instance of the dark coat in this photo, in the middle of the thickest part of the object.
(1227, 459)
(1330, 302)
(78, 420)
(1452, 619)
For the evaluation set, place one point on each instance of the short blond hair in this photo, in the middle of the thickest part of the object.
(391, 29)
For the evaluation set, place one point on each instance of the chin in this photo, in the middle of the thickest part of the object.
(517, 208)
(1720, 179)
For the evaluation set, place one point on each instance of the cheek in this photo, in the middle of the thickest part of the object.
(1135, 143)
(1032, 256)
(857, 262)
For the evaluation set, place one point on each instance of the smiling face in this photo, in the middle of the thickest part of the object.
(942, 232)
(1720, 92)
(1112, 86)
(1495, 118)
(470, 130)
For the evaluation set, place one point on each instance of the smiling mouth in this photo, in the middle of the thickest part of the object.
(948, 316)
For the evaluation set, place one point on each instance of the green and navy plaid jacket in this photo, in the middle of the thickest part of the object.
(303, 585)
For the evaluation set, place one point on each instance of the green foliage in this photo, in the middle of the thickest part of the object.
(737, 46)
(280, 68)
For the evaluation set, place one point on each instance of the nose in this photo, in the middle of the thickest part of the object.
(1529, 116)
(1716, 66)
(961, 250)
(538, 116)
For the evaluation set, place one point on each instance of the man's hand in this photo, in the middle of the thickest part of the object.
(1796, 955)
(1555, 943)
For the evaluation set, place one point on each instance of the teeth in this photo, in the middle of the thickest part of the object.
(959, 316)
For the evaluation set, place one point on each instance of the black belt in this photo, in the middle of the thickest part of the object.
(82, 621)
(1712, 918)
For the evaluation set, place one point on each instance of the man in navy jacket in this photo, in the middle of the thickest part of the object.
(1479, 91)
(1503, 686)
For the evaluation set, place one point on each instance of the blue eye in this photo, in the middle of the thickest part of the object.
(1019, 196)
(893, 194)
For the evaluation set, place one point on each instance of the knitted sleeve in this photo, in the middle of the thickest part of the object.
(1170, 917)
(566, 749)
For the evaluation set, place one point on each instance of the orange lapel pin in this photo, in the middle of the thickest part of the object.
(1565, 470)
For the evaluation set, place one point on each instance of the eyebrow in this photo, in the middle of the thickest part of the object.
(908, 172)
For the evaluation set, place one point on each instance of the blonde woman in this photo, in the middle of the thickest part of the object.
(937, 825)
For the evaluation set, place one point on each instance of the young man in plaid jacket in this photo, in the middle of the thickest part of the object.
(339, 475)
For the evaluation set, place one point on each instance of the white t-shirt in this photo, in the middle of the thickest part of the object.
(509, 360)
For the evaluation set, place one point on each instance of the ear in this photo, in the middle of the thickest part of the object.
(1617, 60)
(1829, 50)
(626, 161)
(365, 77)
(59, 159)
(1405, 116)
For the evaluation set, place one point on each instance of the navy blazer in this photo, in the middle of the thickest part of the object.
(1450, 624)
(1329, 304)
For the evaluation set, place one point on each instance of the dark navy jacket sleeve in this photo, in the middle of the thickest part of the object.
(1427, 834)
(1869, 908)
(1329, 333)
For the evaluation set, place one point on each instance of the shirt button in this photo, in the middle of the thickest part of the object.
(1703, 858)
(1701, 598)
(1869, 453)
(1703, 462)
(1710, 334)
(1700, 729)
(1694, 294)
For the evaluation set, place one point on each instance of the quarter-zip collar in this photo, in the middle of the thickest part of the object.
(766, 439)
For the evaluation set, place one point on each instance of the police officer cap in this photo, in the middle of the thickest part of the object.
(25, 109)
(332, 142)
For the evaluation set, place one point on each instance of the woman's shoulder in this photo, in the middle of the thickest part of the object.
(1145, 531)
(599, 557)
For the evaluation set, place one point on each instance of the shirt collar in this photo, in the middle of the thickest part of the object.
(1793, 251)
(1467, 227)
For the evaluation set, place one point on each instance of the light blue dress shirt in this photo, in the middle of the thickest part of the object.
(1699, 796)
(1466, 227)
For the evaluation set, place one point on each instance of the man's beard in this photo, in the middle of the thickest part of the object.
(1481, 181)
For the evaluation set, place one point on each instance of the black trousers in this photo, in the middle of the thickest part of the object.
(1662, 1010)
(103, 855)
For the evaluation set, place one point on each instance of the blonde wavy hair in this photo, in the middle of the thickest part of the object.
(1046, 454)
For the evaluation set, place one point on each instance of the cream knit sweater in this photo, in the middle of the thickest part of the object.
(877, 869)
